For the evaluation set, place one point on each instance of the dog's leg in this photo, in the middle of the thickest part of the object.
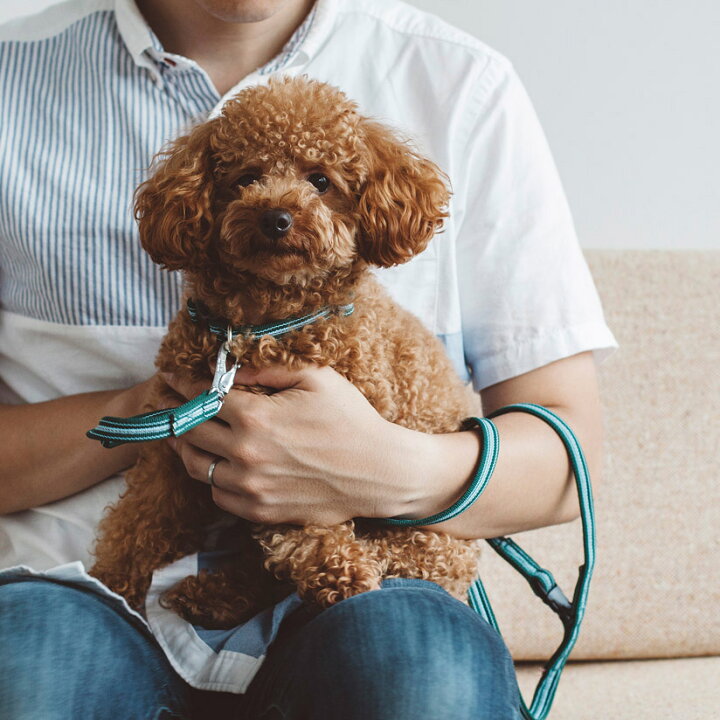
(327, 564)
(226, 597)
(438, 557)
(158, 519)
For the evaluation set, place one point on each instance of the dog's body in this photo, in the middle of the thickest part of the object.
(246, 277)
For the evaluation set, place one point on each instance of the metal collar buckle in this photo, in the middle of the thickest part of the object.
(224, 377)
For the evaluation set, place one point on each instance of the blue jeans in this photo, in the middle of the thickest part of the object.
(406, 651)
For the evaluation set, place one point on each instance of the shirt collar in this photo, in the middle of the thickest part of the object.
(137, 35)
(146, 50)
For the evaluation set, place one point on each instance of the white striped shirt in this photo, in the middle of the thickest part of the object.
(88, 96)
(82, 119)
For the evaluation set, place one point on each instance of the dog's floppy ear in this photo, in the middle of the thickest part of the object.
(403, 202)
(174, 205)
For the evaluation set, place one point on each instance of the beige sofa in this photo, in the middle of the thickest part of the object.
(650, 644)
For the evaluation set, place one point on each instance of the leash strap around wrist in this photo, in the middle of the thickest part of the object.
(541, 581)
(485, 468)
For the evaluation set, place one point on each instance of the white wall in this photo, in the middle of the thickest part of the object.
(629, 94)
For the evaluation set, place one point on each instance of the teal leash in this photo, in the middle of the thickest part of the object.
(174, 422)
(541, 581)
(485, 468)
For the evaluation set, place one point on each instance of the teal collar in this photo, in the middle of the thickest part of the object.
(198, 312)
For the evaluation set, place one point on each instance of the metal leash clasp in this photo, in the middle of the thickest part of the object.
(224, 378)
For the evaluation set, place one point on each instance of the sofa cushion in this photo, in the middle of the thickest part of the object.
(686, 689)
(656, 589)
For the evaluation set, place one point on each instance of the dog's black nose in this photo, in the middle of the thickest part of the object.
(275, 223)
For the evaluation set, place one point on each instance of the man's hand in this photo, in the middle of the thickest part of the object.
(315, 451)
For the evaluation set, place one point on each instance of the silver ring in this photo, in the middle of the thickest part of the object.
(211, 470)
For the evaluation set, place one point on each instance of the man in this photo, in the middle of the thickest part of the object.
(90, 91)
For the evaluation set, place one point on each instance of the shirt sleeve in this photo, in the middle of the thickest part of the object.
(526, 294)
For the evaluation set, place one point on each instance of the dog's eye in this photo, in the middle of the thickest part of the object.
(320, 182)
(247, 179)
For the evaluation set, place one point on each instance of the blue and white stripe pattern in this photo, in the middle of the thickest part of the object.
(72, 150)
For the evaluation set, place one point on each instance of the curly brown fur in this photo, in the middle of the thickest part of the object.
(199, 213)
(228, 607)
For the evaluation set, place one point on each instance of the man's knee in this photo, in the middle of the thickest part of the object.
(412, 650)
(69, 654)
(54, 616)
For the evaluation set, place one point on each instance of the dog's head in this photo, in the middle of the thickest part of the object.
(289, 184)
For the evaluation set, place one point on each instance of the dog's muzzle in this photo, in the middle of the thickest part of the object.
(275, 223)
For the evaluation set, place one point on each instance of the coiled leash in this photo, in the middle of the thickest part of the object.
(173, 422)
(541, 581)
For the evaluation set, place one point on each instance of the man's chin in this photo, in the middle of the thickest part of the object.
(241, 11)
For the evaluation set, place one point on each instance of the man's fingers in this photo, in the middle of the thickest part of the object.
(275, 376)
(195, 460)
(227, 494)
(240, 406)
(236, 404)
(212, 437)
(242, 506)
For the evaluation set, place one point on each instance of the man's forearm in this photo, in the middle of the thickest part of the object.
(46, 455)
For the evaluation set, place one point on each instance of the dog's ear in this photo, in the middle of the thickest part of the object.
(173, 206)
(402, 203)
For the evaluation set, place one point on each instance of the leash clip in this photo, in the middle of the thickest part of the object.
(224, 377)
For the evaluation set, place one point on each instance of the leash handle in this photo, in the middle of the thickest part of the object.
(541, 581)
(159, 424)
(172, 422)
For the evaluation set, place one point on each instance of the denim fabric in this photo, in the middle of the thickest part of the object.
(67, 654)
(406, 651)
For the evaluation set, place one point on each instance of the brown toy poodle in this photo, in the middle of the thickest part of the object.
(274, 209)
